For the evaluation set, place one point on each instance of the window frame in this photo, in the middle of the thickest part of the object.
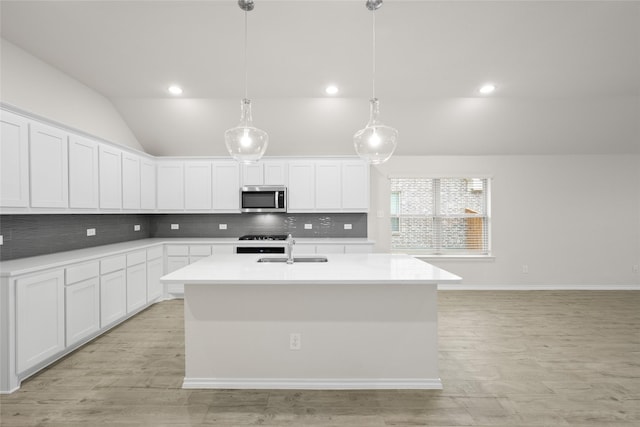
(438, 218)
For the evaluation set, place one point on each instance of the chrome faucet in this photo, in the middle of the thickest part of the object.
(290, 243)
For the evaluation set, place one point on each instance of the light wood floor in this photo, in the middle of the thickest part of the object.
(526, 358)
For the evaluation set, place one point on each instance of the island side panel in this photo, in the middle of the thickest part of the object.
(352, 336)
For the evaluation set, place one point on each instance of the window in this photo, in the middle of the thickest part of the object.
(440, 215)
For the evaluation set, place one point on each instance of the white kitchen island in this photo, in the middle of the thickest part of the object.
(358, 321)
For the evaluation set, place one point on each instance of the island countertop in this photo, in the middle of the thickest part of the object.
(371, 268)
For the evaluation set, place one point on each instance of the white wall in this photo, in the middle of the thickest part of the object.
(32, 85)
(571, 219)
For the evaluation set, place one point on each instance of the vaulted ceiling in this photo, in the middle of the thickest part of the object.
(567, 72)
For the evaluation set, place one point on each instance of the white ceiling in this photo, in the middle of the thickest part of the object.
(568, 73)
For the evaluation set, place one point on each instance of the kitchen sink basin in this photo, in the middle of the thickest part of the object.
(295, 259)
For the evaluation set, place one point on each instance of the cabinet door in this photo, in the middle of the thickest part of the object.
(130, 181)
(147, 184)
(275, 173)
(328, 186)
(154, 273)
(226, 186)
(252, 174)
(136, 287)
(40, 318)
(83, 173)
(110, 178)
(302, 191)
(113, 297)
(48, 165)
(170, 185)
(355, 186)
(174, 263)
(197, 185)
(83, 310)
(14, 160)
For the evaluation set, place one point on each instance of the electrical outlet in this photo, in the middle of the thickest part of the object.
(1, 240)
(91, 231)
(308, 226)
(136, 227)
(175, 226)
(295, 342)
(222, 226)
(525, 269)
(348, 227)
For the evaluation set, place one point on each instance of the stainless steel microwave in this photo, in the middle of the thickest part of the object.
(263, 198)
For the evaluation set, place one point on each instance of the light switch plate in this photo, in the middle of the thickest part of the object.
(222, 226)
(91, 231)
(308, 226)
(347, 227)
(175, 226)
(136, 227)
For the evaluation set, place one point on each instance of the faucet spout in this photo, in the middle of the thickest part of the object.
(290, 243)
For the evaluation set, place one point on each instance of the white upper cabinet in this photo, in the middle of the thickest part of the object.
(265, 172)
(328, 186)
(253, 173)
(226, 186)
(302, 187)
(83, 173)
(170, 185)
(130, 181)
(48, 165)
(355, 186)
(197, 185)
(275, 172)
(110, 177)
(147, 184)
(14, 160)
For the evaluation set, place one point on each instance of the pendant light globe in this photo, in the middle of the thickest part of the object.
(246, 143)
(376, 142)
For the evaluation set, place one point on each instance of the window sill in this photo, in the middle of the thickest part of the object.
(455, 257)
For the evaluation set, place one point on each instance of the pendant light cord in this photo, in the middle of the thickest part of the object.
(373, 55)
(246, 72)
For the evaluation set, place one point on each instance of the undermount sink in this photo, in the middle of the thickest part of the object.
(295, 259)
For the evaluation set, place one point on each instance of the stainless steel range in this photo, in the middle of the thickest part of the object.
(257, 248)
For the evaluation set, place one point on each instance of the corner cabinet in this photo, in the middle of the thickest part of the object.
(14, 160)
(40, 318)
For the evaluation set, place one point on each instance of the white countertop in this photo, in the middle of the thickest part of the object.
(377, 268)
(60, 259)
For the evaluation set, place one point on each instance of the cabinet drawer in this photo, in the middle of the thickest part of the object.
(200, 250)
(177, 250)
(80, 272)
(135, 258)
(154, 253)
(113, 264)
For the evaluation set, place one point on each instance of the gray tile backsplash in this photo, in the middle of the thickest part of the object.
(31, 235)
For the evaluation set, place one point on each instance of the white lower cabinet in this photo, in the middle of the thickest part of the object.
(82, 310)
(136, 287)
(154, 273)
(39, 318)
(113, 297)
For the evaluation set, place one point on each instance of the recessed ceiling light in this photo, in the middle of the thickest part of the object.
(487, 89)
(331, 90)
(175, 90)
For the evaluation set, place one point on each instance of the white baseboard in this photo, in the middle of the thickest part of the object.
(314, 383)
(529, 287)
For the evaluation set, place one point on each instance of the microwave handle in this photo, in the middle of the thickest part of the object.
(275, 201)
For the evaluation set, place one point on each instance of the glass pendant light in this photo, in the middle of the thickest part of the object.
(245, 142)
(377, 141)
